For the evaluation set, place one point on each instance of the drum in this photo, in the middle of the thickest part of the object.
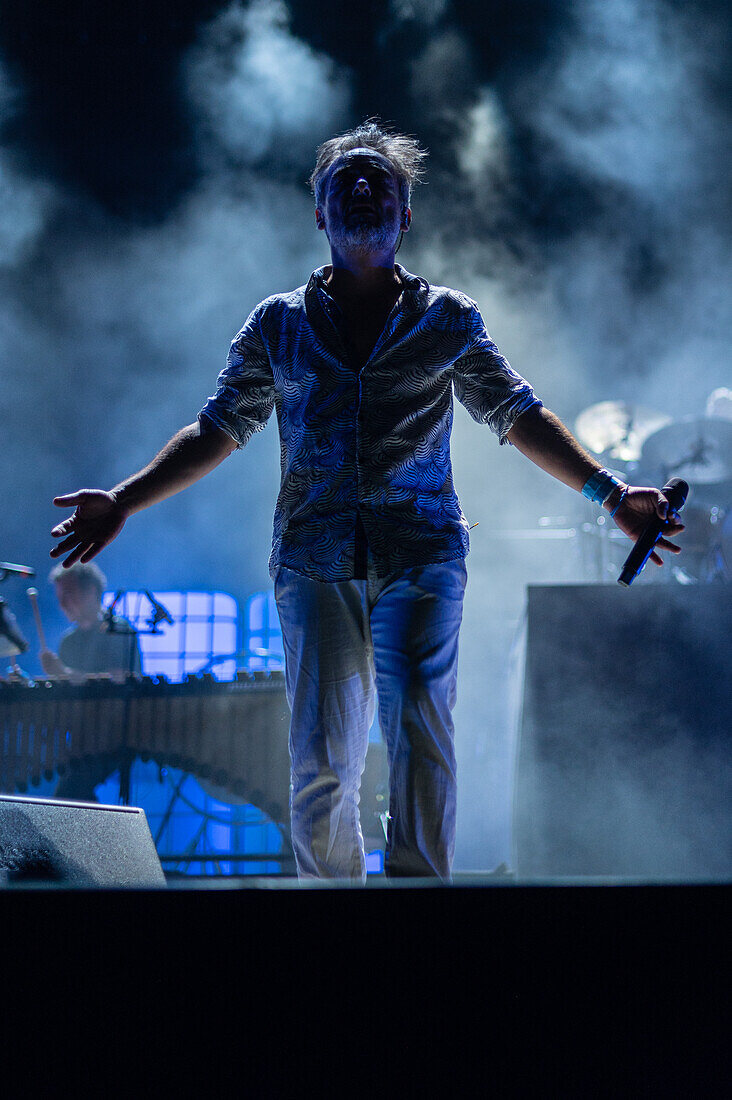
(702, 543)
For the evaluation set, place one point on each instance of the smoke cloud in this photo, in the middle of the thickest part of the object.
(579, 197)
(261, 93)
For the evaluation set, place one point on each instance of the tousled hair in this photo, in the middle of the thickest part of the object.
(87, 574)
(404, 153)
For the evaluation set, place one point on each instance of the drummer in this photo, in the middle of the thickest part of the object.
(89, 647)
(95, 643)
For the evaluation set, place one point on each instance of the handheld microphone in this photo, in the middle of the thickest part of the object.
(676, 492)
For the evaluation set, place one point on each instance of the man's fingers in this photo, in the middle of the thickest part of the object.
(62, 528)
(92, 551)
(67, 544)
(76, 555)
(666, 546)
(70, 500)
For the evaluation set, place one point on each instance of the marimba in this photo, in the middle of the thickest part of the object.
(233, 734)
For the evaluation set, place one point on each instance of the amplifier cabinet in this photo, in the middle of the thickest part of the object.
(623, 763)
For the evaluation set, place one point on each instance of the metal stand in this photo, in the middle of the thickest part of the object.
(159, 614)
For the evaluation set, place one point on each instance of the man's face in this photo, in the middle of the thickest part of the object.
(361, 209)
(79, 603)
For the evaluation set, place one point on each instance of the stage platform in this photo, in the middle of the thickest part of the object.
(275, 988)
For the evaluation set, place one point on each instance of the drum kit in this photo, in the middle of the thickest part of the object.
(645, 447)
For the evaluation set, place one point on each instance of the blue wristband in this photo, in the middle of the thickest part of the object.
(599, 486)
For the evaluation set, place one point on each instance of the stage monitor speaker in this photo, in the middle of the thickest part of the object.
(624, 762)
(75, 844)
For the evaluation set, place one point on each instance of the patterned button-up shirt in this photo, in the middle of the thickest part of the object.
(372, 443)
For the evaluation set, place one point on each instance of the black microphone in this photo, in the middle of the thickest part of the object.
(160, 614)
(108, 613)
(676, 492)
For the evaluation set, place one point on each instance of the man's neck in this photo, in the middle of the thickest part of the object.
(86, 622)
(361, 277)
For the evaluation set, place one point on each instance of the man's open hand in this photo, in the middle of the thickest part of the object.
(638, 508)
(96, 521)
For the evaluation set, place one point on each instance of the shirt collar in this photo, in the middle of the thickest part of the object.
(415, 288)
(322, 312)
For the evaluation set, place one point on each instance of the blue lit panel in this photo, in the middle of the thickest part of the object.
(185, 820)
(375, 862)
(203, 636)
(263, 633)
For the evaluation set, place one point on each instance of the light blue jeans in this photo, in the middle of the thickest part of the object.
(395, 636)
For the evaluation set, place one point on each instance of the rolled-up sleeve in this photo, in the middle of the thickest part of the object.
(485, 383)
(245, 392)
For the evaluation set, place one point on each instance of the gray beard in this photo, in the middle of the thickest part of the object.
(364, 239)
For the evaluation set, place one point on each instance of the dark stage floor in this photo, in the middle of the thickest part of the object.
(273, 988)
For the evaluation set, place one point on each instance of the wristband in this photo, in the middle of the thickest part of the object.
(599, 486)
(622, 498)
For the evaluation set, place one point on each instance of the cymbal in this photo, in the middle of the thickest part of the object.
(699, 449)
(8, 648)
(618, 430)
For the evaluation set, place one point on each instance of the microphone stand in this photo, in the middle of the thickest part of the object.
(127, 755)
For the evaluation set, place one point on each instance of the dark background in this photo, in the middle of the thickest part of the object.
(153, 167)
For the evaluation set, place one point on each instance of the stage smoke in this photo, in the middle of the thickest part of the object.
(576, 190)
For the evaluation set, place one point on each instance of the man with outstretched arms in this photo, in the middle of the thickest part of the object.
(369, 544)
